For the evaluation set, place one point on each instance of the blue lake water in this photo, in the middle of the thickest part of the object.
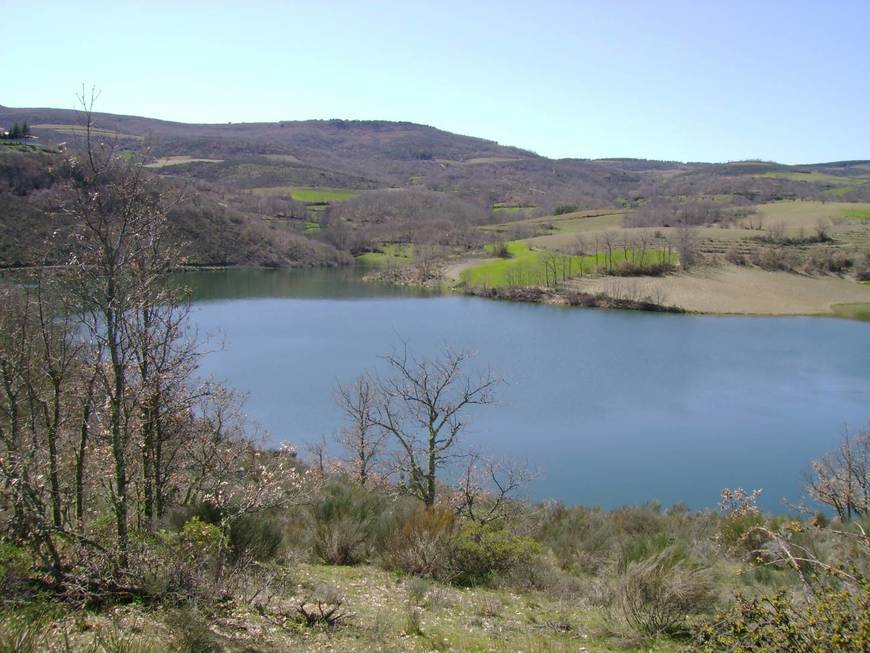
(612, 407)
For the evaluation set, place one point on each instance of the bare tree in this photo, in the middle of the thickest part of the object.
(361, 438)
(164, 357)
(422, 406)
(609, 241)
(687, 246)
(775, 232)
(488, 488)
(120, 214)
(99, 414)
(50, 386)
(841, 479)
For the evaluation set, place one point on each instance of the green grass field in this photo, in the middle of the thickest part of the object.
(858, 213)
(388, 255)
(321, 194)
(315, 196)
(529, 267)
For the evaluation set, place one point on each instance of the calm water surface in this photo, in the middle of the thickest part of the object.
(613, 407)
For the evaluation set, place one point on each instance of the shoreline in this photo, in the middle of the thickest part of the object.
(713, 290)
(589, 292)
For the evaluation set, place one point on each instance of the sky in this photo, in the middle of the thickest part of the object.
(785, 80)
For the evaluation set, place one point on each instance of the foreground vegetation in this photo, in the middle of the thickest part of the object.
(367, 568)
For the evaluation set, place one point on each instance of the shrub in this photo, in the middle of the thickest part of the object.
(191, 630)
(834, 621)
(641, 520)
(581, 539)
(565, 208)
(345, 524)
(656, 594)
(500, 249)
(542, 573)
(199, 538)
(734, 255)
(738, 532)
(254, 537)
(643, 547)
(738, 527)
(630, 269)
(322, 608)
(773, 259)
(417, 589)
(180, 564)
(480, 551)
(421, 545)
(15, 564)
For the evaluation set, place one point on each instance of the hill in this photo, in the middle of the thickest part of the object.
(366, 155)
(216, 229)
(294, 192)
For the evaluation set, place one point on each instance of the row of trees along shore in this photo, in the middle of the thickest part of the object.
(18, 132)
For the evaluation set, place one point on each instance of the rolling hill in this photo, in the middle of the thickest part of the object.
(261, 183)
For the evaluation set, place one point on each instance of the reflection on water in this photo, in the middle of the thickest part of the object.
(318, 283)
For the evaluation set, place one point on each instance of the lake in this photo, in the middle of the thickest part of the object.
(612, 407)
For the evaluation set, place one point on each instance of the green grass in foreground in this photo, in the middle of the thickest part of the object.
(321, 194)
(528, 267)
(388, 254)
(388, 612)
(858, 213)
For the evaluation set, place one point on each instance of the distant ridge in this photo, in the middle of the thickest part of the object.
(359, 155)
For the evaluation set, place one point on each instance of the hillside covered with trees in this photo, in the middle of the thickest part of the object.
(293, 193)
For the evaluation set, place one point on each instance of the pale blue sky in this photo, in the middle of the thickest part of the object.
(787, 80)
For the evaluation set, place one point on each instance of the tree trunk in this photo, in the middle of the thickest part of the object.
(118, 435)
(53, 476)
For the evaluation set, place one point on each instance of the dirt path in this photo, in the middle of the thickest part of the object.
(454, 269)
(737, 290)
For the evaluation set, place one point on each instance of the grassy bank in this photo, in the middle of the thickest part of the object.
(388, 255)
(522, 266)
